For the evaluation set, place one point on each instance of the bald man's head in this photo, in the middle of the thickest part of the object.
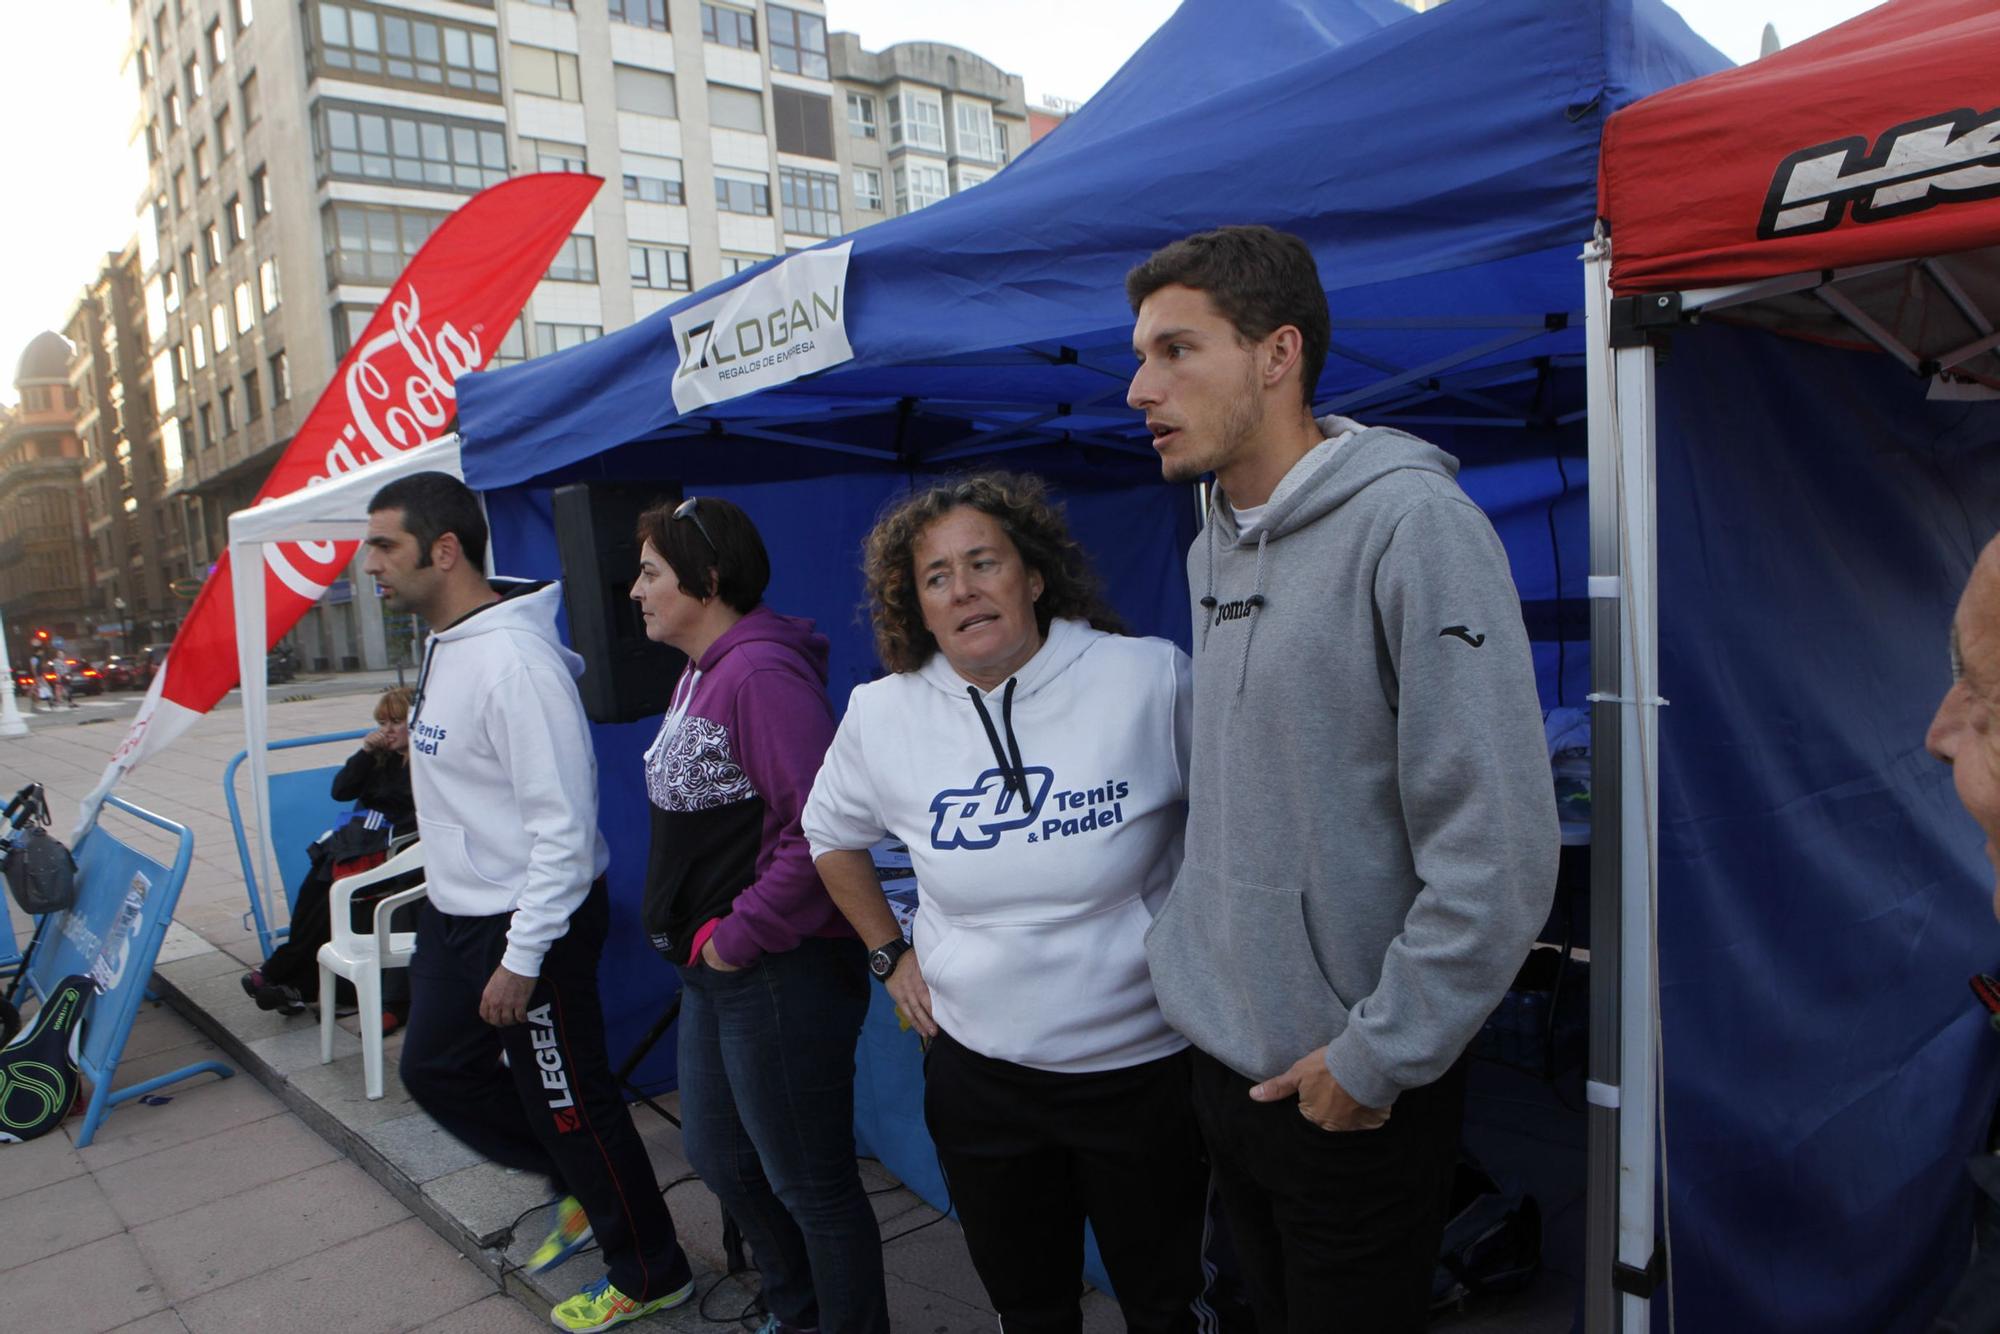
(1966, 731)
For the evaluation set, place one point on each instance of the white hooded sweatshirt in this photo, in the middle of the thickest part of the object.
(1031, 920)
(504, 774)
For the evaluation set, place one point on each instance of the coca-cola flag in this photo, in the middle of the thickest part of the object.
(445, 316)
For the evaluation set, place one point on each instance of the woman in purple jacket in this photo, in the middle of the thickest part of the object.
(774, 982)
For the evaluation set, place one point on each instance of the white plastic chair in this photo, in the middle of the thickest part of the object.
(360, 958)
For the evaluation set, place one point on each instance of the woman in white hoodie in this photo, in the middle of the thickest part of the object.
(1034, 760)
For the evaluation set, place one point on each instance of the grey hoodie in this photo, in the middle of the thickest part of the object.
(1372, 835)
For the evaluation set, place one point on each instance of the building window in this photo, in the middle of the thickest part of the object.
(212, 237)
(964, 178)
(242, 8)
(183, 196)
(218, 48)
(371, 243)
(1000, 142)
(188, 274)
(798, 41)
(553, 4)
(173, 108)
(226, 399)
(916, 119)
(647, 91)
(145, 67)
(218, 322)
(663, 267)
(252, 110)
(558, 337)
(407, 48)
(170, 289)
(811, 201)
(548, 155)
(232, 214)
(728, 27)
(181, 372)
(253, 398)
(861, 115)
(152, 141)
(349, 324)
(918, 187)
(513, 349)
(575, 262)
(655, 180)
(735, 264)
(544, 73)
(225, 133)
(804, 122)
(744, 195)
(641, 13)
(975, 130)
(268, 295)
(260, 192)
(281, 378)
(245, 312)
(867, 188)
(410, 148)
(204, 165)
(196, 82)
(207, 414)
(735, 109)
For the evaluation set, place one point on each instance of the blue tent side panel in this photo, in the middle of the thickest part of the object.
(1823, 898)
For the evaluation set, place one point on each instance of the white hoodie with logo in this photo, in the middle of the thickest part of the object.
(1031, 922)
(504, 774)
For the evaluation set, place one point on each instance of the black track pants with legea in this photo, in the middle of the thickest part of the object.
(552, 1106)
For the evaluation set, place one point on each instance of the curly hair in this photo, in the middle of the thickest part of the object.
(1033, 523)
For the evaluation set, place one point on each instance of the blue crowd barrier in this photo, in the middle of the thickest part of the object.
(302, 808)
(112, 934)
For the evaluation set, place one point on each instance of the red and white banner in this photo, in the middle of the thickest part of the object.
(395, 389)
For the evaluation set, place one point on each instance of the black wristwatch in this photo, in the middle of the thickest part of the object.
(883, 961)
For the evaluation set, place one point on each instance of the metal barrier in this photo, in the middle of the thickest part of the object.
(124, 901)
(302, 809)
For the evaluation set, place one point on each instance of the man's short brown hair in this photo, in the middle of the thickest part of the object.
(1258, 278)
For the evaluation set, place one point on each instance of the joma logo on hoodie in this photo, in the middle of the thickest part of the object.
(975, 817)
(562, 1105)
(1237, 610)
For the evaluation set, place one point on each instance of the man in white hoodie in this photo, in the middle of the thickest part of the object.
(505, 1045)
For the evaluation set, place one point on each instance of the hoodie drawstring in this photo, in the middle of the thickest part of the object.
(1012, 774)
(423, 675)
(1208, 597)
(1256, 605)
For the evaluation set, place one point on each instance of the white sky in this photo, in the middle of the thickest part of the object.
(74, 179)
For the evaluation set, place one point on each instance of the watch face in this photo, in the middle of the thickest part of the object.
(880, 964)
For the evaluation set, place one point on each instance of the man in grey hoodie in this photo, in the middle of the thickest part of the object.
(1372, 837)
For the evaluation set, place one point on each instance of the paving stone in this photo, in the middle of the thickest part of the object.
(497, 1314)
(58, 1217)
(486, 1198)
(99, 1286)
(340, 1090)
(298, 1049)
(160, 1322)
(217, 1244)
(37, 1163)
(171, 1181)
(180, 943)
(419, 1148)
(222, 998)
(137, 1128)
(180, 972)
(390, 1280)
(155, 1028)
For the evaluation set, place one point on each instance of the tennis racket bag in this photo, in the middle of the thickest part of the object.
(39, 1079)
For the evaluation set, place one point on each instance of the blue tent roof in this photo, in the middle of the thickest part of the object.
(1445, 211)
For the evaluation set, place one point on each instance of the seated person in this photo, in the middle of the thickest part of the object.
(377, 779)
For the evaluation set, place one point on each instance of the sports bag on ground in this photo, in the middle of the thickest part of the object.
(39, 1079)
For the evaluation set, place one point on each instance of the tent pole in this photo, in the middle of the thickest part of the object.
(1600, 1298)
(246, 568)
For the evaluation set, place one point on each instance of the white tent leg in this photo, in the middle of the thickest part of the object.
(247, 574)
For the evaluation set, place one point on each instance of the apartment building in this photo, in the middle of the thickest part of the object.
(45, 572)
(300, 153)
(142, 578)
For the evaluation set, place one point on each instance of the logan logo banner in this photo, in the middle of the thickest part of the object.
(393, 391)
(783, 323)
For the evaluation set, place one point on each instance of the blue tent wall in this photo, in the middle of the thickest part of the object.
(1823, 898)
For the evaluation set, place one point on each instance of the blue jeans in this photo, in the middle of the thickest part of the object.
(767, 1118)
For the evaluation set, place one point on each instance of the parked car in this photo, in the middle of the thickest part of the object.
(120, 672)
(82, 677)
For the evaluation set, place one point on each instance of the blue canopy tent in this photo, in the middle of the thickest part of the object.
(1442, 167)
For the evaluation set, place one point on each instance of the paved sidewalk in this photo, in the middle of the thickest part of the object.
(211, 1208)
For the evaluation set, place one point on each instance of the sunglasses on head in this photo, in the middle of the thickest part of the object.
(687, 510)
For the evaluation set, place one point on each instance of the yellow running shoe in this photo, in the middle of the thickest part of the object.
(572, 1233)
(600, 1306)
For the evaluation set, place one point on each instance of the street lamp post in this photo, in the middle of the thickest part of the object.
(11, 721)
(124, 626)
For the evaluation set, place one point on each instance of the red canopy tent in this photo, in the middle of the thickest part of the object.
(1845, 191)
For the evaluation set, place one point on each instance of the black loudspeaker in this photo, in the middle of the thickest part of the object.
(626, 675)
